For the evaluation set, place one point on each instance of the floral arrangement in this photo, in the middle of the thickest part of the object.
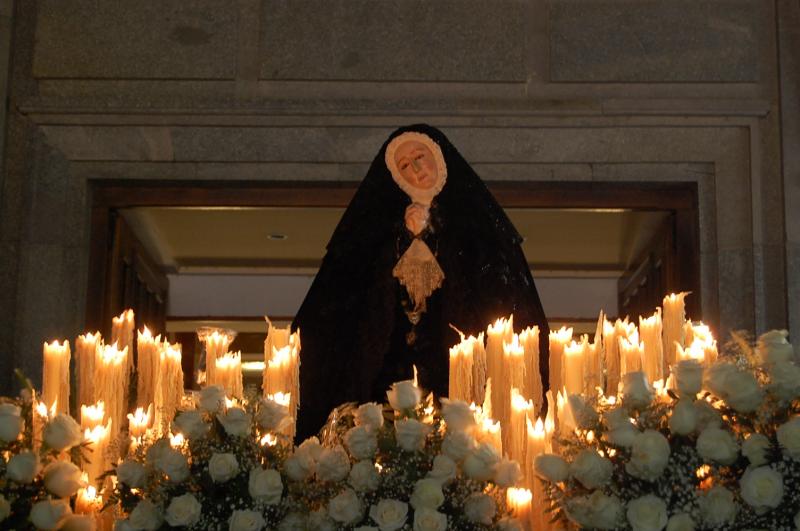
(38, 474)
(717, 448)
(405, 466)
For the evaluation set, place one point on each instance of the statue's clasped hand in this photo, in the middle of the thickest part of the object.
(416, 217)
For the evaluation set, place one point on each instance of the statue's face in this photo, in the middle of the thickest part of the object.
(416, 164)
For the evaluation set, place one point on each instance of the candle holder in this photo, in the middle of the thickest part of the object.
(203, 334)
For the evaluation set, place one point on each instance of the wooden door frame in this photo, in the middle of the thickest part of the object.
(107, 196)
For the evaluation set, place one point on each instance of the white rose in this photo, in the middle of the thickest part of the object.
(648, 513)
(717, 506)
(707, 415)
(346, 507)
(157, 451)
(507, 523)
(62, 433)
(606, 510)
(591, 470)
(272, 416)
(333, 464)
(551, 467)
(145, 516)
(369, 415)
(23, 467)
(742, 392)
(183, 510)
(683, 420)
(49, 514)
(584, 414)
(597, 511)
(789, 437)
(429, 520)
(762, 487)
(223, 467)
(457, 415)
(717, 445)
(246, 521)
(174, 465)
(80, 522)
(299, 467)
(623, 436)
(458, 445)
(507, 473)
(310, 447)
(10, 422)
(362, 442)
(481, 463)
(427, 494)
(390, 515)
(212, 398)
(480, 508)
(772, 347)
(444, 469)
(319, 520)
(755, 447)
(649, 455)
(62, 478)
(5, 508)
(191, 424)
(716, 375)
(293, 522)
(404, 395)
(131, 473)
(265, 486)
(680, 522)
(411, 434)
(636, 391)
(689, 377)
(784, 379)
(236, 422)
(364, 477)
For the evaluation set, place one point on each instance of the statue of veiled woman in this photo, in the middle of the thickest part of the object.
(422, 246)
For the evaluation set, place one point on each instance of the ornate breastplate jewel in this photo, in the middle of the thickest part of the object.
(420, 273)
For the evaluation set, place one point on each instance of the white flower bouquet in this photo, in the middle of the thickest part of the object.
(717, 448)
(38, 474)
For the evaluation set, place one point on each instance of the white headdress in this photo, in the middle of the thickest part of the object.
(417, 195)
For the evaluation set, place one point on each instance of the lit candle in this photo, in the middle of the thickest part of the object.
(85, 354)
(574, 366)
(40, 416)
(533, 377)
(92, 415)
(519, 502)
(478, 366)
(139, 421)
(514, 373)
(168, 387)
(520, 409)
(228, 374)
(216, 344)
(566, 421)
(611, 348)
(285, 399)
(558, 340)
(97, 439)
(491, 432)
(460, 382)
(88, 502)
(122, 328)
(550, 423)
(696, 351)
(650, 330)
(702, 333)
(496, 334)
(111, 383)
(55, 376)
(631, 352)
(147, 365)
(536, 447)
(673, 331)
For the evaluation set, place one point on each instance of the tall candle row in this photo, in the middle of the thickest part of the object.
(282, 365)
(55, 376)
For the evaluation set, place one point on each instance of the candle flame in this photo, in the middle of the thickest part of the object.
(269, 440)
(518, 497)
(281, 398)
(563, 335)
(177, 440)
(518, 402)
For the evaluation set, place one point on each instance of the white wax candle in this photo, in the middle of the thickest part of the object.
(558, 340)
(478, 350)
(55, 376)
(111, 384)
(460, 381)
(216, 344)
(611, 349)
(517, 438)
(122, 328)
(85, 355)
(228, 374)
(168, 386)
(496, 334)
(631, 352)
(673, 325)
(96, 461)
(148, 366)
(574, 366)
(88, 502)
(533, 377)
(92, 415)
(650, 330)
(519, 502)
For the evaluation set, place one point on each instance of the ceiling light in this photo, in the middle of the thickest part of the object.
(276, 236)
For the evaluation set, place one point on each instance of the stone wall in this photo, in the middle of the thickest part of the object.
(529, 90)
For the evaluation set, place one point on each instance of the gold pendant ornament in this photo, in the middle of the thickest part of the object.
(420, 273)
